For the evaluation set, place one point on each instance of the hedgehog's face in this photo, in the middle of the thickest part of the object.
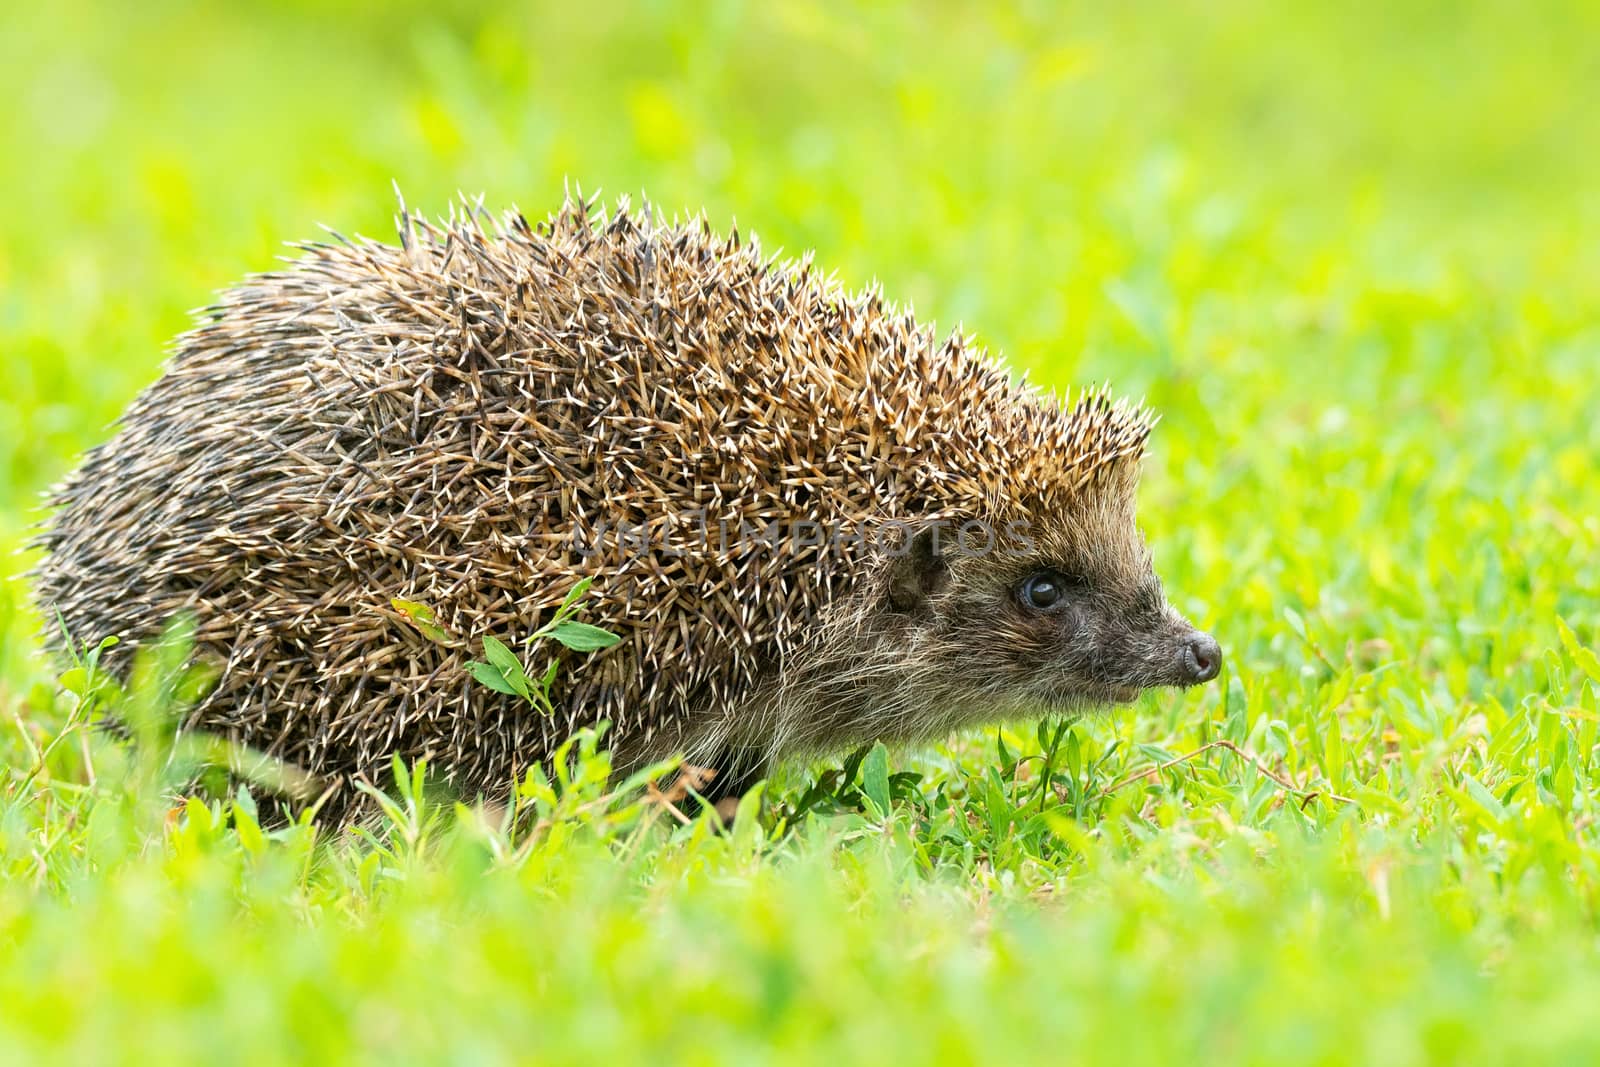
(1069, 619)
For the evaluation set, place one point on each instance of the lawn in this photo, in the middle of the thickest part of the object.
(1349, 252)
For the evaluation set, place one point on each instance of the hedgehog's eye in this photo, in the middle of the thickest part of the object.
(1041, 591)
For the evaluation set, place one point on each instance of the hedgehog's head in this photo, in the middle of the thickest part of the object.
(1069, 617)
(1046, 600)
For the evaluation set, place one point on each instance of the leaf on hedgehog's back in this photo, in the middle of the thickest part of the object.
(503, 673)
(582, 637)
(501, 656)
(572, 597)
(422, 618)
(486, 674)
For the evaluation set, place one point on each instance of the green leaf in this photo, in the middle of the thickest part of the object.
(197, 680)
(487, 675)
(422, 618)
(1485, 799)
(581, 637)
(504, 660)
(1333, 757)
(572, 598)
(1586, 660)
(875, 778)
(246, 823)
(1001, 811)
(411, 609)
(75, 681)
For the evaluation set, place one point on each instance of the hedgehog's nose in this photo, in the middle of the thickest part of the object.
(1201, 657)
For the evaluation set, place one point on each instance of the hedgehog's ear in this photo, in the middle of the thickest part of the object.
(918, 570)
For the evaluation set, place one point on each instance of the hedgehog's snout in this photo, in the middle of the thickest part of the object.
(1199, 657)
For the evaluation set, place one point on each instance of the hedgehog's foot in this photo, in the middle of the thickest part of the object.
(717, 787)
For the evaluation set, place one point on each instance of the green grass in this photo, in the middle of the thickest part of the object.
(1351, 254)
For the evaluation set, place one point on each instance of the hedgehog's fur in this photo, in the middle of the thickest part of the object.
(468, 420)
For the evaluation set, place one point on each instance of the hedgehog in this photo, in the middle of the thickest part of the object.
(810, 522)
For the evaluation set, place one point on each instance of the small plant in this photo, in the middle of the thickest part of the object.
(503, 671)
(165, 680)
(84, 679)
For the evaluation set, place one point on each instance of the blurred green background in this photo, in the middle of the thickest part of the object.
(1350, 252)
